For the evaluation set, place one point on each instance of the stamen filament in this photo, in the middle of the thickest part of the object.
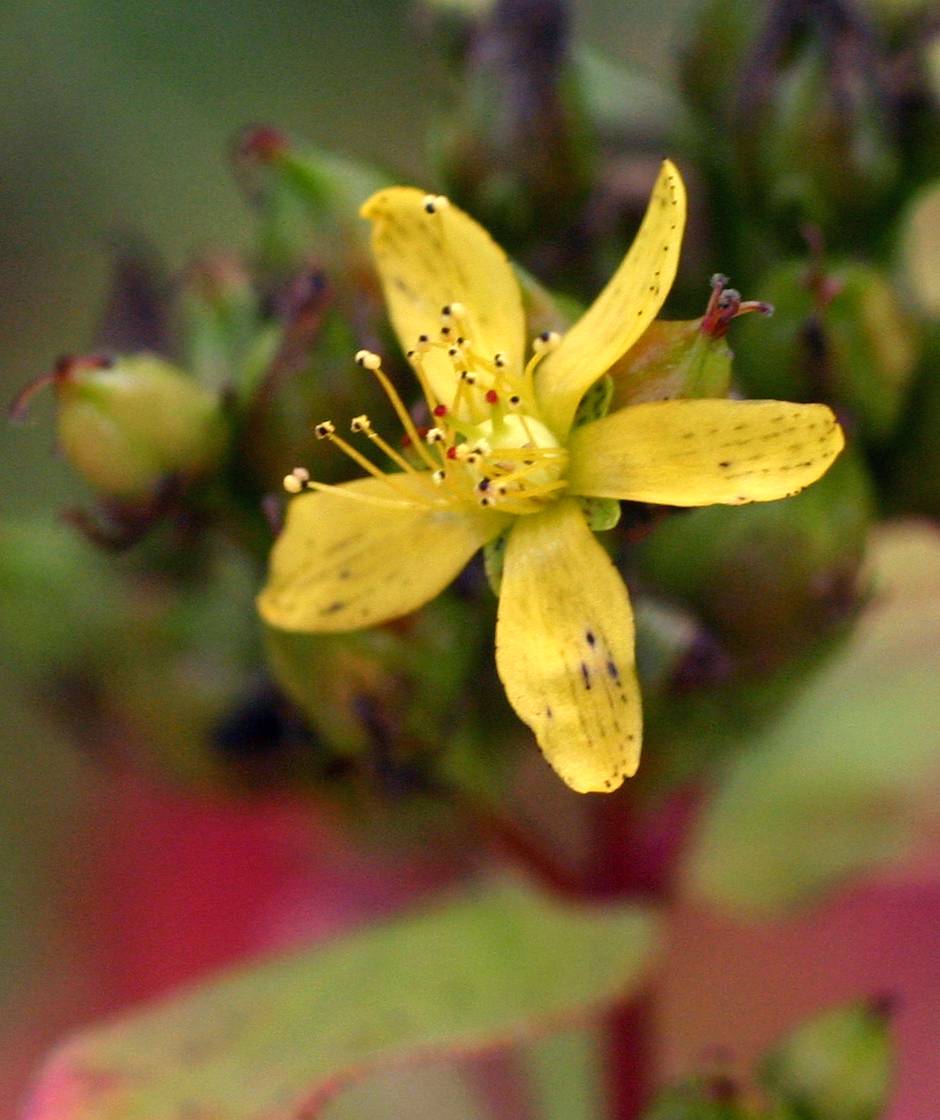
(403, 415)
(369, 499)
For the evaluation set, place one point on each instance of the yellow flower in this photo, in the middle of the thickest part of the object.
(504, 454)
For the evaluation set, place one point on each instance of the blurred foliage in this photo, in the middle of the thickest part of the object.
(778, 672)
(497, 962)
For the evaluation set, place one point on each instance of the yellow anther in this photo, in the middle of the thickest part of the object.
(423, 345)
(324, 429)
(546, 342)
(368, 360)
(499, 360)
(360, 424)
(292, 484)
(435, 435)
(434, 203)
(438, 477)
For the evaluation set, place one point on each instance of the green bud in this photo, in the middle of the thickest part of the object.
(772, 578)
(701, 1098)
(843, 336)
(308, 202)
(815, 136)
(128, 424)
(914, 469)
(837, 1066)
(920, 249)
(683, 358)
(721, 33)
(516, 152)
(220, 321)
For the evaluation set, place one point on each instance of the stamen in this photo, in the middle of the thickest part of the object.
(364, 424)
(296, 480)
(435, 203)
(543, 344)
(327, 430)
(373, 363)
(369, 499)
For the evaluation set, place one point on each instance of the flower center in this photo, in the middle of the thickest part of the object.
(487, 444)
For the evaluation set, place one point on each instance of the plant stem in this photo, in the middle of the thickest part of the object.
(635, 856)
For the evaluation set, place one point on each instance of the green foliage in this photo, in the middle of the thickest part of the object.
(832, 788)
(496, 963)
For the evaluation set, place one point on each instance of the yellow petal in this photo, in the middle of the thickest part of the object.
(564, 649)
(623, 310)
(344, 564)
(699, 452)
(427, 261)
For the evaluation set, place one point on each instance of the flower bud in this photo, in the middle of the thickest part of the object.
(920, 250)
(683, 358)
(220, 321)
(307, 202)
(713, 53)
(772, 578)
(700, 1098)
(127, 424)
(842, 336)
(837, 1066)
(914, 459)
(815, 123)
(516, 153)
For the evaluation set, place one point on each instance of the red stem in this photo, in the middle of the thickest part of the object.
(635, 856)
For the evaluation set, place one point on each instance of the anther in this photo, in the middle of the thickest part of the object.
(435, 435)
(499, 360)
(435, 203)
(545, 342)
(438, 477)
(483, 485)
(452, 352)
(324, 429)
(368, 360)
(292, 484)
(440, 410)
(360, 424)
(492, 397)
(515, 400)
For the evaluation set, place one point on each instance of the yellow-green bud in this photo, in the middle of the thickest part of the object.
(688, 358)
(920, 250)
(700, 1098)
(835, 1067)
(843, 336)
(128, 424)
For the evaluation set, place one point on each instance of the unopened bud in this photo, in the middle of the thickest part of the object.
(841, 334)
(838, 1066)
(128, 424)
(688, 358)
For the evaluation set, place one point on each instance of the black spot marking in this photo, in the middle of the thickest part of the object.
(725, 463)
(612, 671)
(335, 606)
(586, 675)
(589, 637)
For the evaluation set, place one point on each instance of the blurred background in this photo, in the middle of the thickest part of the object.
(117, 122)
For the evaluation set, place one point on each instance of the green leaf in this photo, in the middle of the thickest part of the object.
(835, 785)
(497, 963)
